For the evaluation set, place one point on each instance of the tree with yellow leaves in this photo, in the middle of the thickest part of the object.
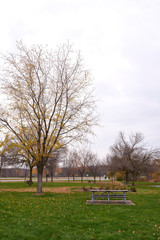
(49, 100)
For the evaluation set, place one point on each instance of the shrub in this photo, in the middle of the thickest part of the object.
(115, 185)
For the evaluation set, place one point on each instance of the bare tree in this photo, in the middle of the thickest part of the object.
(3, 159)
(2, 162)
(155, 170)
(93, 164)
(14, 154)
(82, 159)
(73, 163)
(66, 168)
(52, 164)
(70, 163)
(9, 153)
(131, 155)
(50, 96)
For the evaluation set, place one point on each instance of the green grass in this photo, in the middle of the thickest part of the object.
(45, 184)
(25, 216)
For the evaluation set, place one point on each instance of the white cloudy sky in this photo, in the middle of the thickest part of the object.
(120, 43)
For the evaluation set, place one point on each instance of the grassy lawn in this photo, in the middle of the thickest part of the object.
(25, 216)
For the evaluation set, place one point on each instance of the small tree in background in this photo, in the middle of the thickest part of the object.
(52, 164)
(70, 163)
(93, 165)
(131, 155)
(9, 153)
(82, 158)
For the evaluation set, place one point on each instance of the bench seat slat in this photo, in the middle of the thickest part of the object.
(121, 196)
(118, 196)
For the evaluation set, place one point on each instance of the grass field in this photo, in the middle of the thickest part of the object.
(26, 216)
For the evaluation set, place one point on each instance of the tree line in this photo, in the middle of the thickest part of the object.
(127, 160)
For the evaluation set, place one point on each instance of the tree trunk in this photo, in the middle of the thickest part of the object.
(133, 178)
(81, 178)
(30, 175)
(127, 178)
(51, 177)
(25, 174)
(40, 176)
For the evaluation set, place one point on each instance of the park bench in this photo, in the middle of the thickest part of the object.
(96, 193)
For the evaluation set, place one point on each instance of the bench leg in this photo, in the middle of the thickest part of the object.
(92, 197)
(124, 198)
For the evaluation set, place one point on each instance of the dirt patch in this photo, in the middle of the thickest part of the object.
(54, 190)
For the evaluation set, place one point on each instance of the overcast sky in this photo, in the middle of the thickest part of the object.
(120, 43)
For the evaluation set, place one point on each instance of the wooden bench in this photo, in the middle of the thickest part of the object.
(108, 194)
